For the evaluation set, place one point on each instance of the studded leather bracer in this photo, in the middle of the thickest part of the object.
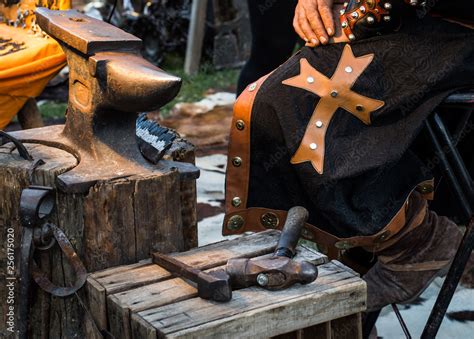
(365, 18)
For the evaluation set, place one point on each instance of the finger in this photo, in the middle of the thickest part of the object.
(307, 30)
(316, 23)
(296, 26)
(328, 20)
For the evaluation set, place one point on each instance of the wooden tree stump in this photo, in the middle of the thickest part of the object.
(117, 222)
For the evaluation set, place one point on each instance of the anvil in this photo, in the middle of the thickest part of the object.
(109, 84)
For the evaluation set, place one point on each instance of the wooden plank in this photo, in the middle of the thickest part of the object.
(336, 293)
(120, 305)
(197, 28)
(320, 331)
(347, 327)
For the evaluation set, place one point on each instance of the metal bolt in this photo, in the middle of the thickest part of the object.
(236, 222)
(236, 202)
(237, 161)
(262, 279)
(240, 125)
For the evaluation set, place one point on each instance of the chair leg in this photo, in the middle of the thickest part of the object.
(448, 172)
(456, 161)
(449, 286)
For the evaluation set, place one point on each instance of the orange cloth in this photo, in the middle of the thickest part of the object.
(25, 73)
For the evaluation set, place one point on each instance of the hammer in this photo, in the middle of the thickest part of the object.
(274, 273)
(279, 271)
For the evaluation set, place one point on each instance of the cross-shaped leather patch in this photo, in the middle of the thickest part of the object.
(334, 93)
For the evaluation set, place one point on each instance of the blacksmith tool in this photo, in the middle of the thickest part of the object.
(36, 204)
(214, 285)
(279, 271)
(109, 84)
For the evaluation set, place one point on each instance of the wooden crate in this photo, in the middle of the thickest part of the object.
(144, 301)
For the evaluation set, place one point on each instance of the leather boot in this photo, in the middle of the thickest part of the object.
(423, 250)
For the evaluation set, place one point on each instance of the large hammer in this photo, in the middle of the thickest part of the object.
(277, 272)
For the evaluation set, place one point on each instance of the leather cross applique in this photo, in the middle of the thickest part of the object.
(334, 93)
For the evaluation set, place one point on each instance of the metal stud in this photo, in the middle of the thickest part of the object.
(310, 80)
(362, 9)
(236, 202)
(355, 15)
(240, 125)
(313, 146)
(252, 87)
(387, 5)
(236, 222)
(414, 2)
(269, 220)
(359, 108)
(319, 124)
(262, 279)
(345, 4)
(352, 37)
(387, 18)
(348, 69)
(344, 24)
(342, 11)
(237, 161)
(370, 20)
(334, 93)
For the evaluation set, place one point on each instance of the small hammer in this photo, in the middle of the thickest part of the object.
(279, 271)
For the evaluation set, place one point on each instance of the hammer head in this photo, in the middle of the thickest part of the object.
(272, 273)
(214, 285)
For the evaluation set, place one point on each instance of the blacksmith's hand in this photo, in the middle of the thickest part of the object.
(314, 21)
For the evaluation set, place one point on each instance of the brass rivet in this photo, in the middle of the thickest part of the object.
(237, 161)
(359, 108)
(240, 125)
(235, 222)
(384, 236)
(269, 220)
(425, 189)
(236, 202)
